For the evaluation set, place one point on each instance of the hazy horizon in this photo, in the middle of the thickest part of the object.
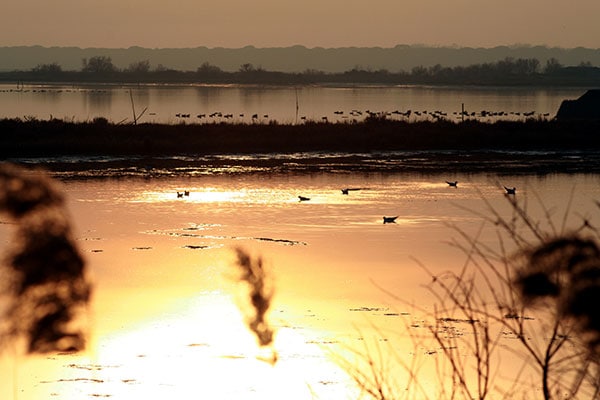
(519, 46)
(270, 23)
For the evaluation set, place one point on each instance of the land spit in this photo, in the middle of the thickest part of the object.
(376, 143)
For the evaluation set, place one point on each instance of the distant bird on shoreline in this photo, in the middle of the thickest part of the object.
(452, 184)
(302, 198)
(389, 220)
(347, 190)
(510, 190)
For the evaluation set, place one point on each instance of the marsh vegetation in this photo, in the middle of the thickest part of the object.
(56, 137)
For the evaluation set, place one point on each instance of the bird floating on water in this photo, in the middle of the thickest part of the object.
(179, 195)
(510, 190)
(453, 184)
(302, 198)
(347, 190)
(389, 220)
(186, 193)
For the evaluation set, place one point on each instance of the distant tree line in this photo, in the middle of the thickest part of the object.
(506, 72)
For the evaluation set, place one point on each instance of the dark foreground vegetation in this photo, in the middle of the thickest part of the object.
(507, 72)
(42, 138)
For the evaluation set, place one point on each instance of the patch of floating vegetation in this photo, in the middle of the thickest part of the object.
(200, 227)
(287, 242)
(196, 247)
(369, 309)
(283, 241)
(88, 380)
(458, 320)
(91, 367)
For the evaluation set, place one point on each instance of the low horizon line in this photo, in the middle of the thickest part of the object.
(250, 46)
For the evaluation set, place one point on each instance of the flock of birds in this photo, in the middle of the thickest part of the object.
(220, 115)
(512, 190)
(390, 220)
(386, 219)
(356, 115)
(58, 90)
(353, 115)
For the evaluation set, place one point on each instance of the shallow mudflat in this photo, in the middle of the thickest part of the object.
(451, 162)
(397, 146)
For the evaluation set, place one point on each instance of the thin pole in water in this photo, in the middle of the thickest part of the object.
(297, 106)
(133, 107)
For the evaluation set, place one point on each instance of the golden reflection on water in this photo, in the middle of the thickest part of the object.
(201, 347)
(165, 317)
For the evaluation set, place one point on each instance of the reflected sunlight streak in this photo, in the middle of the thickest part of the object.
(203, 348)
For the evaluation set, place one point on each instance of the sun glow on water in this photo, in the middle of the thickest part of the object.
(200, 349)
(167, 323)
(248, 196)
(205, 195)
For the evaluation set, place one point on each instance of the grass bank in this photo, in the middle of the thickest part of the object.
(43, 138)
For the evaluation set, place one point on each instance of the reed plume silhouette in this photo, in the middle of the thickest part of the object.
(260, 294)
(566, 269)
(44, 287)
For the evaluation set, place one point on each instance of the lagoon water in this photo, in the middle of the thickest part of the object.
(167, 314)
(166, 320)
(284, 104)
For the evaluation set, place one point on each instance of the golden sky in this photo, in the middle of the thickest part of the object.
(312, 23)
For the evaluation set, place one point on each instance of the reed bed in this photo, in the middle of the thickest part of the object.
(34, 138)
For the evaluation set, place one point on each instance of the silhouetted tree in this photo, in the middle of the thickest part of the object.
(98, 65)
(52, 68)
(247, 67)
(161, 68)
(552, 66)
(138, 67)
(208, 69)
(419, 71)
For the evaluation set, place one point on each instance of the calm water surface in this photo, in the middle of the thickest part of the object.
(166, 320)
(167, 103)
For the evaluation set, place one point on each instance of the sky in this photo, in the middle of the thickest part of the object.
(311, 23)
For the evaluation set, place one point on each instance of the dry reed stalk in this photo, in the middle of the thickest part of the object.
(260, 294)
